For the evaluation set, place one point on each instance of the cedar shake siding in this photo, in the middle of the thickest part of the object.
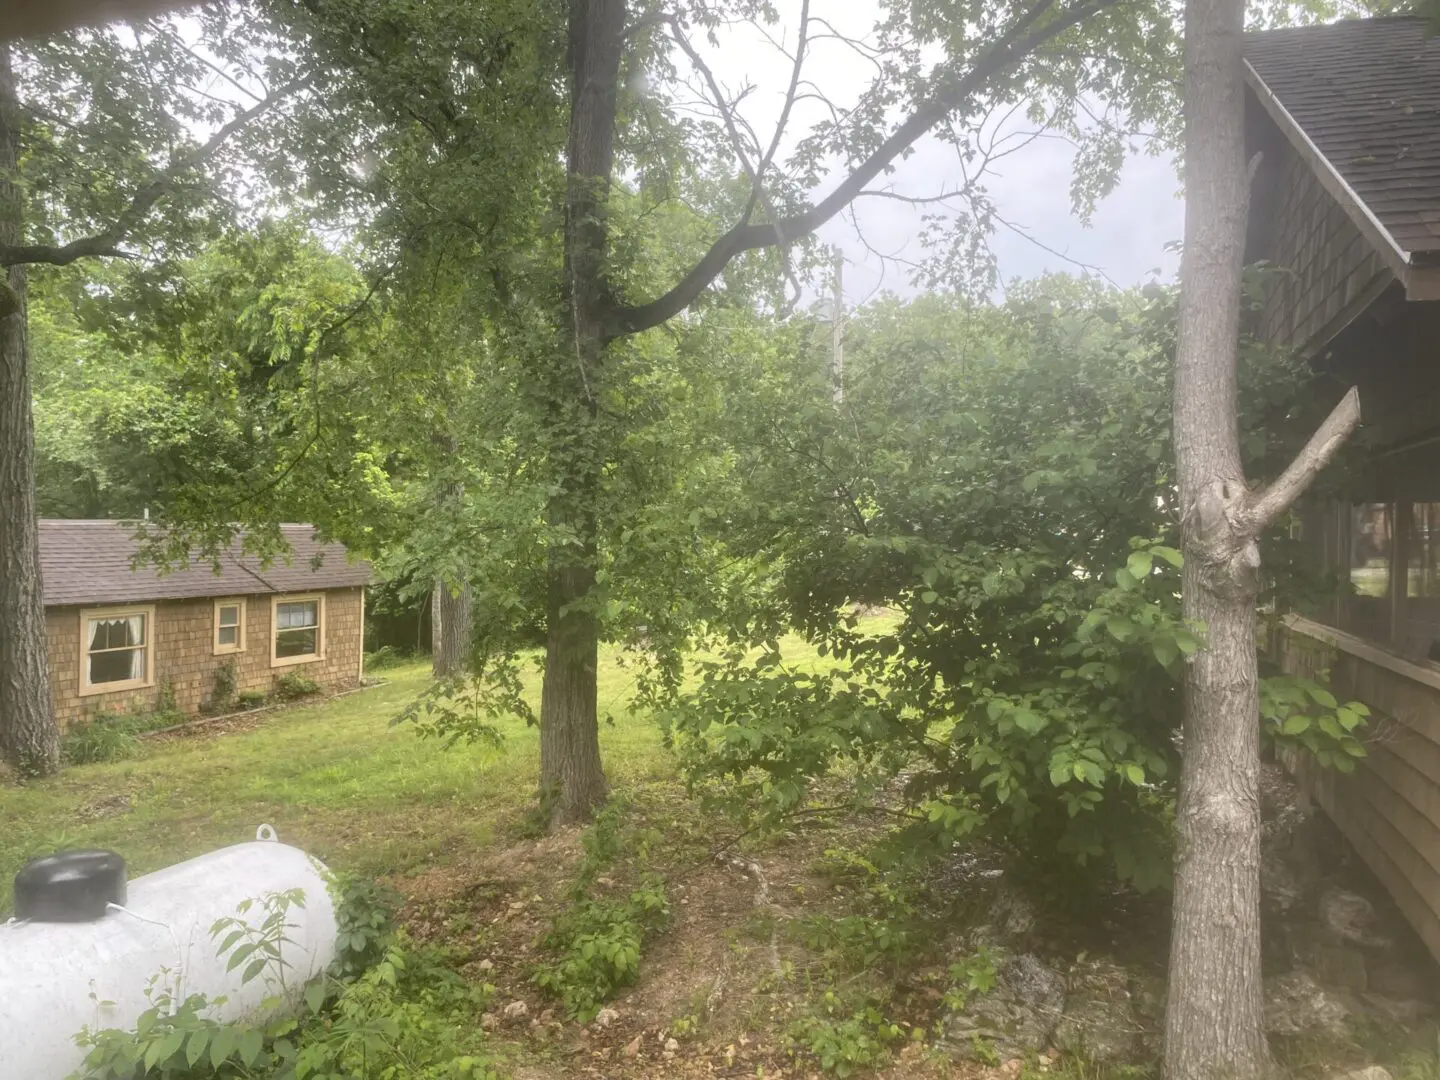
(185, 661)
(1346, 203)
(197, 623)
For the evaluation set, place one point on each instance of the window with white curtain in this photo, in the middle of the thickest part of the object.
(116, 650)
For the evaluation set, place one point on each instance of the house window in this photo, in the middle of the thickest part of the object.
(1371, 529)
(1423, 552)
(116, 650)
(298, 633)
(229, 626)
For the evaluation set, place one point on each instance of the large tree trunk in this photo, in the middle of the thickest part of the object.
(450, 636)
(1213, 1023)
(29, 740)
(571, 776)
(572, 779)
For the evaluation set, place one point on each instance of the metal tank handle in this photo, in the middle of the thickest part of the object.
(266, 832)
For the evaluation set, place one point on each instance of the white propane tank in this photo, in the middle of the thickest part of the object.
(56, 978)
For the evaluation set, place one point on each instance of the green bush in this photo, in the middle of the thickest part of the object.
(292, 686)
(365, 923)
(248, 699)
(1000, 478)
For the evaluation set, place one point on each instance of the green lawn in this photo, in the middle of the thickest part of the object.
(334, 778)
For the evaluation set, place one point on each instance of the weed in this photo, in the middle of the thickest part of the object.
(292, 685)
(596, 942)
(114, 737)
(597, 946)
(222, 693)
(974, 975)
(248, 699)
(844, 1038)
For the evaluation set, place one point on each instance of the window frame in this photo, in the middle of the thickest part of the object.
(218, 649)
(89, 689)
(306, 658)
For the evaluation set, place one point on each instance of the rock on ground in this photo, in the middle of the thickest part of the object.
(1099, 1021)
(1019, 1014)
(1295, 1004)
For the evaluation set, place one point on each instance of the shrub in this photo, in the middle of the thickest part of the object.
(292, 686)
(248, 699)
(101, 740)
(365, 923)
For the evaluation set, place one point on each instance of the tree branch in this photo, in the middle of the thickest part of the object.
(108, 242)
(1264, 509)
(1018, 42)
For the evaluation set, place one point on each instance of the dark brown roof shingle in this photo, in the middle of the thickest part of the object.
(89, 562)
(1367, 94)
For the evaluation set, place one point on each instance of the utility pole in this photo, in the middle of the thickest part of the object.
(837, 331)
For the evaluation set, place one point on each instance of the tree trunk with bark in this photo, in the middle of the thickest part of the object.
(572, 779)
(29, 739)
(1214, 1010)
(450, 636)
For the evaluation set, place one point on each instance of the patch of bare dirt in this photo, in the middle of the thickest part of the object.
(107, 806)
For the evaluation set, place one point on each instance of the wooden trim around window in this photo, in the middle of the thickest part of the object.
(307, 658)
(86, 614)
(239, 646)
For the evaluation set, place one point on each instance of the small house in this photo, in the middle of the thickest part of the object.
(1345, 203)
(127, 638)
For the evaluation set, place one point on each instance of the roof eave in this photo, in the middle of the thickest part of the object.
(1421, 283)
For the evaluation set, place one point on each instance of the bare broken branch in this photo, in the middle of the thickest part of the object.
(1265, 509)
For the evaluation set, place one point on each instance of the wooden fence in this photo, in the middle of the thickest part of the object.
(1389, 807)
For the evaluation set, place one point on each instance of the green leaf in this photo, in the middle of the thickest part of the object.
(250, 1045)
(1165, 650)
(1169, 554)
(1297, 724)
(1135, 774)
(1125, 579)
(162, 1049)
(315, 996)
(1121, 629)
(929, 596)
(1029, 721)
(1139, 564)
(222, 1045)
(195, 1046)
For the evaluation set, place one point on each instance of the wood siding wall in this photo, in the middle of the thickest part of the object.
(1389, 807)
(185, 662)
(1329, 270)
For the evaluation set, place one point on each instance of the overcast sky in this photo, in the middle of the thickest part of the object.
(1126, 238)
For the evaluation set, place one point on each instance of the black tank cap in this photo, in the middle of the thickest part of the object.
(69, 886)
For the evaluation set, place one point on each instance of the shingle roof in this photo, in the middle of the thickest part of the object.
(1367, 94)
(89, 562)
